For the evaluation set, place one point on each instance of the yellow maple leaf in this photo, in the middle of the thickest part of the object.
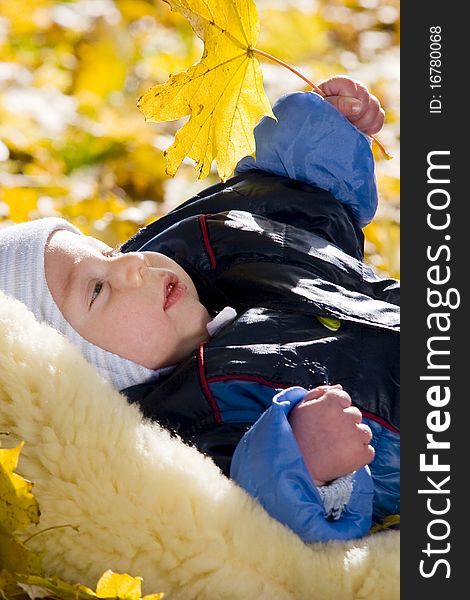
(20, 568)
(111, 586)
(18, 509)
(223, 92)
(117, 585)
(122, 586)
(18, 506)
(15, 557)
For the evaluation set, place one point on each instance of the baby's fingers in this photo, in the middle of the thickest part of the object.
(354, 413)
(350, 107)
(319, 391)
(361, 452)
(342, 86)
(365, 432)
(354, 101)
(365, 457)
(366, 114)
(366, 453)
(372, 119)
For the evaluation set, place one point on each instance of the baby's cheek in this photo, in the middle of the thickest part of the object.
(144, 337)
(155, 333)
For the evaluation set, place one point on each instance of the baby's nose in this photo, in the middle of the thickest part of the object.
(127, 270)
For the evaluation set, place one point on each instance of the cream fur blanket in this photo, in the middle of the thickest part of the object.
(145, 503)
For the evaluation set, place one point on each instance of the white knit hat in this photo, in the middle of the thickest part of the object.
(22, 277)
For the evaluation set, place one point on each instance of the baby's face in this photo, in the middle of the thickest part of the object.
(140, 305)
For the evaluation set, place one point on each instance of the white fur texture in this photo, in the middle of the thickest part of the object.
(145, 503)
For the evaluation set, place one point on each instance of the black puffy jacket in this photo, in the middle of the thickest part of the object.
(282, 253)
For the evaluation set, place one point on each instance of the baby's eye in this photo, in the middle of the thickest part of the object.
(96, 292)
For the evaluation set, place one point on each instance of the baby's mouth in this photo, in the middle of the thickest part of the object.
(173, 291)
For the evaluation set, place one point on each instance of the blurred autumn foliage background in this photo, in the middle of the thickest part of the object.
(74, 144)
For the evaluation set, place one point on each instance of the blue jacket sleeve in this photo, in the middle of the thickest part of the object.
(311, 141)
(268, 464)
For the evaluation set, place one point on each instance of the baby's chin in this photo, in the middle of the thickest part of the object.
(192, 328)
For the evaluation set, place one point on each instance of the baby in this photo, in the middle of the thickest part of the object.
(143, 317)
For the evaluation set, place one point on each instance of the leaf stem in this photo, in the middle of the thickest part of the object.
(315, 88)
(74, 527)
(283, 64)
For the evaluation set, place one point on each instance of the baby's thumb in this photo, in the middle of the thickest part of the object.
(349, 106)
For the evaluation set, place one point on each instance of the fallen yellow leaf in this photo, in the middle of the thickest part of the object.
(223, 92)
(15, 557)
(122, 587)
(117, 585)
(18, 510)
(18, 506)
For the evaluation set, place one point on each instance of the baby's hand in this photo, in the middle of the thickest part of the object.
(353, 99)
(330, 434)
